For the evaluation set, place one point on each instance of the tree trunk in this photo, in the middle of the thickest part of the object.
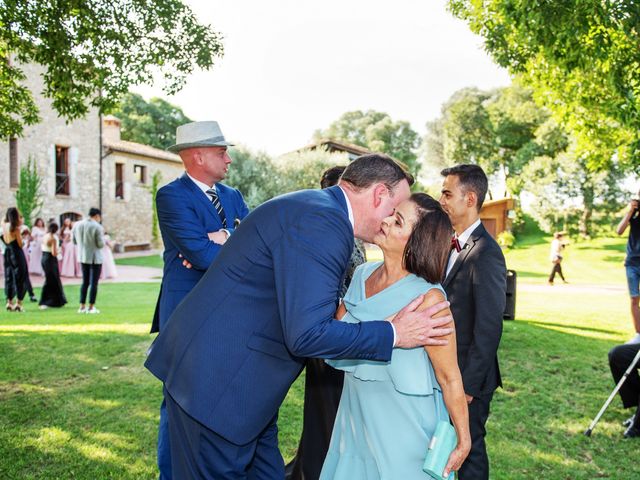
(587, 209)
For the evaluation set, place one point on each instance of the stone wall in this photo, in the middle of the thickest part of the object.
(39, 141)
(128, 220)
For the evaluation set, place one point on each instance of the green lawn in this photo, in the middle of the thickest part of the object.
(144, 261)
(76, 402)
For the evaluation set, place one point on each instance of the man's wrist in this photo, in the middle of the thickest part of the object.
(395, 336)
(226, 231)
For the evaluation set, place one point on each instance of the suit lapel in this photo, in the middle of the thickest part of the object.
(473, 238)
(200, 197)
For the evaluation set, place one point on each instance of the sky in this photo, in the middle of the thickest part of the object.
(292, 67)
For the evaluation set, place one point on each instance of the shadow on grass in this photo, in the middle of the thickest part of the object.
(572, 327)
(554, 383)
(525, 274)
(77, 406)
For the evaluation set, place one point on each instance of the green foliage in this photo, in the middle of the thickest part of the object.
(303, 170)
(377, 132)
(28, 196)
(501, 130)
(254, 175)
(156, 179)
(151, 123)
(506, 239)
(582, 59)
(94, 51)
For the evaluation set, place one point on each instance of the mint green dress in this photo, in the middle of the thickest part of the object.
(388, 410)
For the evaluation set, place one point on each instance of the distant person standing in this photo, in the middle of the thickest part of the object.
(88, 235)
(15, 263)
(557, 245)
(632, 261)
(52, 292)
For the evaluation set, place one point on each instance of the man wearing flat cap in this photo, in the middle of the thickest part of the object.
(196, 214)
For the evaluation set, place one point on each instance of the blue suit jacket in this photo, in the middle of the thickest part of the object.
(186, 215)
(232, 348)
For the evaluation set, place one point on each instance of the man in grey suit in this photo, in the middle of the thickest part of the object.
(89, 236)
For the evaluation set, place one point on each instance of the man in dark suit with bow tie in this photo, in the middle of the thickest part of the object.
(196, 214)
(234, 346)
(475, 284)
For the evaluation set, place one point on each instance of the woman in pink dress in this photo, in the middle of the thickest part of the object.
(69, 257)
(35, 255)
(108, 263)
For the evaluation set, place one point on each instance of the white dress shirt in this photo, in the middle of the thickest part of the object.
(462, 239)
(202, 186)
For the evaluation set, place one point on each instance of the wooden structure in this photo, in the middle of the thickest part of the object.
(495, 215)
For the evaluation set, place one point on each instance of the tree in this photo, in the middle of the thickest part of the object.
(303, 170)
(254, 174)
(581, 58)
(377, 132)
(156, 179)
(151, 123)
(28, 195)
(93, 52)
(501, 130)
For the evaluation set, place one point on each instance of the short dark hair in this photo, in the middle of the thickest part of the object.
(52, 228)
(331, 176)
(427, 250)
(471, 177)
(93, 211)
(366, 170)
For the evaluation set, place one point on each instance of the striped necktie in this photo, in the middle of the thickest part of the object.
(217, 205)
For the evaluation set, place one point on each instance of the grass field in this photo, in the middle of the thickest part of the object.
(76, 402)
(144, 261)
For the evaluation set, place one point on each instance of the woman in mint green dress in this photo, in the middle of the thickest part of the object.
(389, 410)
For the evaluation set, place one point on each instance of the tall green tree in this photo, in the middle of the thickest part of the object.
(501, 130)
(151, 123)
(94, 51)
(377, 132)
(582, 59)
(29, 198)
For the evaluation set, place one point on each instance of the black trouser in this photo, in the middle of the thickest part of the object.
(557, 268)
(322, 391)
(90, 276)
(620, 358)
(476, 466)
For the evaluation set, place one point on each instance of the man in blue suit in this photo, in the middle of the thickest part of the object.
(232, 348)
(196, 214)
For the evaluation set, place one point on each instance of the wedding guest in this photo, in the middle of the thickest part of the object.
(15, 262)
(632, 262)
(557, 245)
(236, 342)
(476, 284)
(197, 213)
(52, 294)
(35, 258)
(620, 358)
(108, 263)
(27, 242)
(88, 236)
(322, 383)
(69, 254)
(389, 411)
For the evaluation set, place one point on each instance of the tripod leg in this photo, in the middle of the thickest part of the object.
(613, 394)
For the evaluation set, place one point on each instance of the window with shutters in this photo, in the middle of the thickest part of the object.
(140, 173)
(62, 170)
(120, 181)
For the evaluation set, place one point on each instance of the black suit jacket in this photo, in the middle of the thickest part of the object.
(476, 287)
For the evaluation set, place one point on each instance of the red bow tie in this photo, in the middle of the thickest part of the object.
(455, 244)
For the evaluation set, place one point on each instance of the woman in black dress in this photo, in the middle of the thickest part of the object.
(15, 262)
(52, 293)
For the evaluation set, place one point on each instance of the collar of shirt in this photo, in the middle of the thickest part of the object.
(464, 236)
(349, 209)
(202, 186)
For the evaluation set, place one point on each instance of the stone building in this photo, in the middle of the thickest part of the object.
(85, 164)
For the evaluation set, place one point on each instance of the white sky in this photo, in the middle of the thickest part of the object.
(291, 67)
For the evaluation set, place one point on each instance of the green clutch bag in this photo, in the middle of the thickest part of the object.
(443, 442)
